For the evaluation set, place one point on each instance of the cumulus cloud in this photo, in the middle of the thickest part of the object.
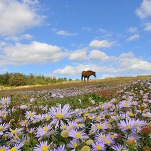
(144, 10)
(79, 54)
(15, 16)
(148, 27)
(76, 70)
(65, 33)
(129, 63)
(134, 37)
(33, 53)
(101, 43)
(98, 55)
(132, 29)
(18, 38)
(2, 44)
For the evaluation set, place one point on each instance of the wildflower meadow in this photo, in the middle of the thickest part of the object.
(120, 124)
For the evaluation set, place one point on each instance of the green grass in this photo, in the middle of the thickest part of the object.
(73, 101)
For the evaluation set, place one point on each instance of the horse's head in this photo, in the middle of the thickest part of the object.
(94, 74)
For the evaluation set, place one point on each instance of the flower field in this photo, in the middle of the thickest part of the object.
(120, 124)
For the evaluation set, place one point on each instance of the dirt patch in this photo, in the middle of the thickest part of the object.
(108, 93)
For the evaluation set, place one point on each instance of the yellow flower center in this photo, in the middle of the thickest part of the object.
(59, 115)
(79, 124)
(108, 105)
(75, 145)
(13, 131)
(15, 137)
(98, 147)
(107, 142)
(131, 114)
(128, 127)
(30, 114)
(24, 122)
(2, 149)
(45, 129)
(23, 106)
(13, 149)
(102, 136)
(5, 100)
(136, 124)
(112, 136)
(71, 127)
(97, 118)
(1, 128)
(48, 117)
(126, 104)
(86, 114)
(78, 135)
(99, 126)
(44, 148)
(64, 126)
(146, 115)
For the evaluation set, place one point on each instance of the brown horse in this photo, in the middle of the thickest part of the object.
(87, 74)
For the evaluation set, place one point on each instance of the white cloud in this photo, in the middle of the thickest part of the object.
(98, 55)
(134, 37)
(2, 44)
(18, 38)
(65, 33)
(129, 63)
(78, 54)
(33, 53)
(132, 29)
(31, 2)
(76, 70)
(148, 27)
(16, 16)
(144, 10)
(101, 43)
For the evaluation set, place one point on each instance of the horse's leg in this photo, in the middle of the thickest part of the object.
(82, 78)
(87, 78)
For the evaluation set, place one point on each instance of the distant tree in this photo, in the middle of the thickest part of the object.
(18, 79)
(4, 78)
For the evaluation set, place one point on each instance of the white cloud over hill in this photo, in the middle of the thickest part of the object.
(33, 53)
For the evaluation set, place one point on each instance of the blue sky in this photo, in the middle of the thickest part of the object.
(64, 37)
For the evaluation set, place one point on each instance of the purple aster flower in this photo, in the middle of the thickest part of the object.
(78, 135)
(61, 148)
(126, 125)
(17, 147)
(43, 131)
(98, 146)
(58, 113)
(74, 143)
(4, 148)
(30, 115)
(3, 128)
(119, 147)
(43, 146)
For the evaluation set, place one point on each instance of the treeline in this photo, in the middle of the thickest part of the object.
(18, 79)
